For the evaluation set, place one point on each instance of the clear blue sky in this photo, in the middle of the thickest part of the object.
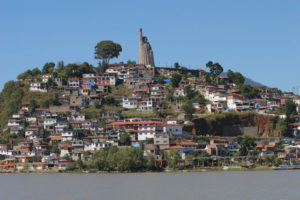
(260, 39)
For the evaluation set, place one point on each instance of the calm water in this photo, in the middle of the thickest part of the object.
(260, 185)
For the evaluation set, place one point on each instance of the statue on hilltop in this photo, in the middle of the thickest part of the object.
(145, 51)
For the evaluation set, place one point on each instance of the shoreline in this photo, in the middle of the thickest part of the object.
(207, 170)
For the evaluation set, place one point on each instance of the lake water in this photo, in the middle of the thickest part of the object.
(260, 185)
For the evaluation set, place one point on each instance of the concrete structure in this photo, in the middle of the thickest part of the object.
(145, 51)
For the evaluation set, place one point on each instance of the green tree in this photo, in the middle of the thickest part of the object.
(175, 80)
(208, 79)
(25, 75)
(110, 100)
(149, 161)
(238, 78)
(230, 75)
(246, 143)
(248, 91)
(99, 159)
(176, 65)
(215, 68)
(290, 108)
(125, 139)
(56, 101)
(35, 72)
(67, 157)
(160, 80)
(50, 83)
(172, 158)
(97, 104)
(10, 99)
(79, 164)
(48, 68)
(188, 109)
(101, 69)
(131, 62)
(170, 96)
(106, 50)
(203, 154)
(189, 92)
(60, 66)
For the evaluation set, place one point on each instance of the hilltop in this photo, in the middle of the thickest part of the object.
(128, 116)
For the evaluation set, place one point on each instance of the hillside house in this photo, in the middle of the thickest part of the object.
(37, 87)
(106, 80)
(74, 82)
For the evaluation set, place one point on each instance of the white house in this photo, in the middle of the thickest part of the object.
(129, 102)
(37, 87)
(234, 100)
(145, 105)
(49, 122)
(95, 146)
(46, 77)
(149, 131)
(179, 92)
(173, 129)
(13, 123)
(67, 135)
(79, 117)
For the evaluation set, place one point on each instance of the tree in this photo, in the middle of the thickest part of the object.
(188, 109)
(175, 79)
(106, 50)
(10, 99)
(170, 96)
(238, 78)
(50, 83)
(172, 158)
(230, 75)
(56, 101)
(99, 159)
(36, 71)
(79, 164)
(67, 157)
(48, 68)
(97, 104)
(176, 65)
(60, 66)
(24, 75)
(131, 62)
(76, 70)
(149, 161)
(160, 80)
(248, 91)
(203, 154)
(189, 92)
(215, 68)
(290, 108)
(246, 143)
(110, 100)
(125, 139)
(101, 69)
(32, 107)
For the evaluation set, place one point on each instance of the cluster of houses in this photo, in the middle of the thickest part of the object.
(58, 132)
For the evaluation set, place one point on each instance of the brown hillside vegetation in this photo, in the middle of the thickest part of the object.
(215, 124)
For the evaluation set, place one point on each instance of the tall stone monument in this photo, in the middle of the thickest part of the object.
(145, 51)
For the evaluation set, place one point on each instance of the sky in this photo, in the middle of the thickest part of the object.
(259, 38)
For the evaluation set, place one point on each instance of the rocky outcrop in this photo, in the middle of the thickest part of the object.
(233, 124)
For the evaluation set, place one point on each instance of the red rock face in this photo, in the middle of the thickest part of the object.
(214, 125)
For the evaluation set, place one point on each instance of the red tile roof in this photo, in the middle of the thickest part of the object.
(135, 123)
(176, 147)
